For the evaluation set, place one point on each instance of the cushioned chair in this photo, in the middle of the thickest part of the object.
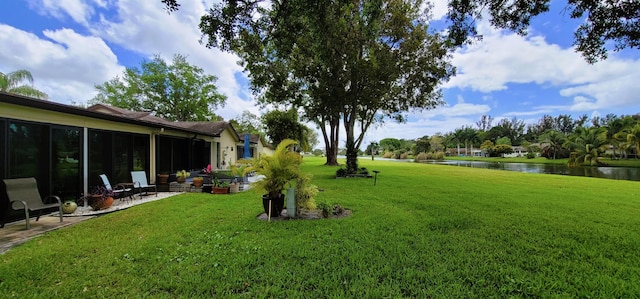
(23, 194)
(121, 191)
(139, 179)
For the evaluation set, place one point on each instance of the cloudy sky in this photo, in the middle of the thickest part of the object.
(71, 45)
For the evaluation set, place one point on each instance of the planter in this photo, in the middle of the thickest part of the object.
(291, 202)
(277, 204)
(181, 179)
(197, 182)
(97, 203)
(69, 207)
(163, 178)
(220, 190)
(234, 187)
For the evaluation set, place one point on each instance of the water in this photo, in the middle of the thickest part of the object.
(615, 173)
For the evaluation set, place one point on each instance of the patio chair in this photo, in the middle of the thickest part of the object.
(139, 179)
(121, 191)
(23, 194)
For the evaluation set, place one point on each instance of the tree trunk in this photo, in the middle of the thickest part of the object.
(331, 141)
(352, 150)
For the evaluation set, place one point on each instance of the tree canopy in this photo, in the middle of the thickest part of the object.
(607, 25)
(280, 125)
(249, 123)
(13, 82)
(354, 62)
(177, 91)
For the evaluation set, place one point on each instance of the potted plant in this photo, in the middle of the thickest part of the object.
(278, 170)
(217, 186)
(236, 170)
(182, 175)
(101, 198)
(197, 181)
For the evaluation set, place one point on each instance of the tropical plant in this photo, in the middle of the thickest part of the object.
(13, 83)
(586, 145)
(212, 174)
(279, 169)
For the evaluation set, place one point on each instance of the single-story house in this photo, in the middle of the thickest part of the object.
(66, 147)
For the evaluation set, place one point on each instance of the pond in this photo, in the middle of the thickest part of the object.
(615, 173)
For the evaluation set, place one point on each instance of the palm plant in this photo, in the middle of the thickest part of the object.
(278, 170)
(633, 138)
(586, 145)
(12, 83)
(552, 141)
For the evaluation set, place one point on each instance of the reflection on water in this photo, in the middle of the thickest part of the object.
(615, 173)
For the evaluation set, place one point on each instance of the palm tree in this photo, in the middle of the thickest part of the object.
(12, 83)
(552, 141)
(586, 145)
(633, 138)
(617, 130)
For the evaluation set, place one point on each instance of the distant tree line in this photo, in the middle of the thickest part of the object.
(583, 140)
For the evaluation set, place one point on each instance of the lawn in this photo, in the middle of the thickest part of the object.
(423, 231)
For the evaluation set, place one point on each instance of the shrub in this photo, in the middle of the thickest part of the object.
(421, 157)
(387, 155)
(305, 193)
(531, 155)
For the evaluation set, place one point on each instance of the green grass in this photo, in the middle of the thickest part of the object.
(423, 231)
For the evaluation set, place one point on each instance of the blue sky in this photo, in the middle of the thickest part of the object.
(69, 46)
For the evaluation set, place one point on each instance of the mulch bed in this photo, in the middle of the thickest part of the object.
(304, 215)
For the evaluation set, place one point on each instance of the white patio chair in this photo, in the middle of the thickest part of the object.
(139, 179)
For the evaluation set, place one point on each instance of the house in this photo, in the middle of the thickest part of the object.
(66, 148)
(518, 151)
(257, 146)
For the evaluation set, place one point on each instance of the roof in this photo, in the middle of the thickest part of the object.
(110, 113)
(255, 138)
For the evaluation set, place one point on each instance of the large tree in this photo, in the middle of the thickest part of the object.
(606, 24)
(280, 125)
(354, 62)
(13, 82)
(248, 122)
(178, 91)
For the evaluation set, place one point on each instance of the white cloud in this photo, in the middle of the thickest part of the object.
(79, 11)
(503, 59)
(65, 66)
(157, 32)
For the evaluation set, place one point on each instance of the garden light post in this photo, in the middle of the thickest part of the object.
(375, 176)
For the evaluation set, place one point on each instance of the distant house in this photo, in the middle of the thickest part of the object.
(518, 151)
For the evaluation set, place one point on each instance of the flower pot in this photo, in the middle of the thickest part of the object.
(69, 207)
(220, 190)
(163, 178)
(234, 187)
(98, 203)
(181, 179)
(197, 182)
(277, 204)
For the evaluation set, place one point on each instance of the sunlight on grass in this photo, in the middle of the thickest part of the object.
(423, 231)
